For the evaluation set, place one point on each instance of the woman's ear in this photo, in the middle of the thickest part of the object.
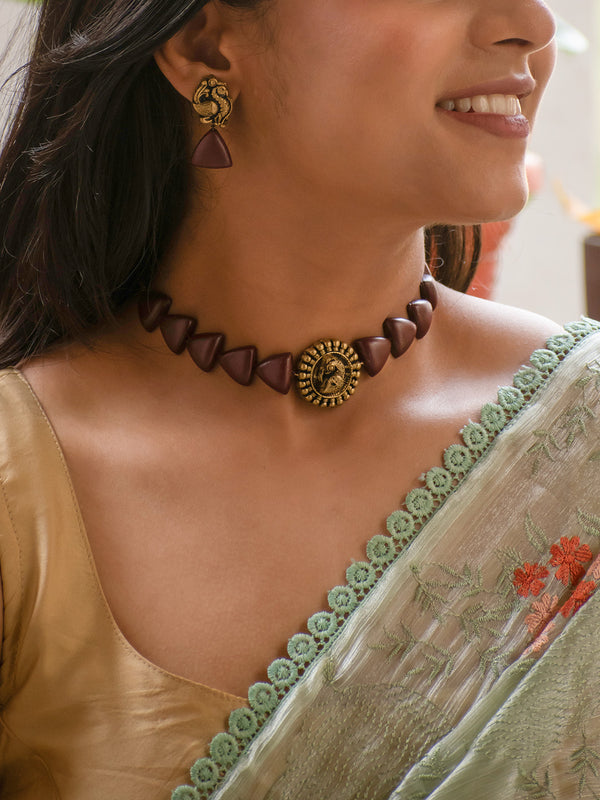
(195, 51)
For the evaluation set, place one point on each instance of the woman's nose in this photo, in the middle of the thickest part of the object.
(528, 25)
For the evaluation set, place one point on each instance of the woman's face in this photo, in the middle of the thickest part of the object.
(359, 86)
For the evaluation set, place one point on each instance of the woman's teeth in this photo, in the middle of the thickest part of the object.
(506, 105)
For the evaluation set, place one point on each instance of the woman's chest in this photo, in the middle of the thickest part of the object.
(210, 563)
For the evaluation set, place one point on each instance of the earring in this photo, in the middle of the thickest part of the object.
(213, 105)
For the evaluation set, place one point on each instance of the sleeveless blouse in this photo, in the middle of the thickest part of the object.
(83, 715)
(462, 655)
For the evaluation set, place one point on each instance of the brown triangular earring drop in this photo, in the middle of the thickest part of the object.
(213, 105)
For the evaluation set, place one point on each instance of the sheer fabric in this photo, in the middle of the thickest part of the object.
(469, 666)
(472, 666)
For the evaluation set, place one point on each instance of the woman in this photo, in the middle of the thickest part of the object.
(172, 529)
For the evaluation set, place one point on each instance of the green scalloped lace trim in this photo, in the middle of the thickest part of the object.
(403, 526)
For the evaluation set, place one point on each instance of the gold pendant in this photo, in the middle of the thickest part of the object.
(327, 373)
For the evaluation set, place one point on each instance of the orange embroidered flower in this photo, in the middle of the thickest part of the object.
(542, 641)
(542, 611)
(580, 596)
(569, 556)
(529, 579)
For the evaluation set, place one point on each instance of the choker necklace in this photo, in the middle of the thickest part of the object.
(326, 373)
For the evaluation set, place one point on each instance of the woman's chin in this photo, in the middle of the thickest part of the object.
(488, 212)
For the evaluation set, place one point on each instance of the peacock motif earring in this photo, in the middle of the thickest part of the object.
(213, 105)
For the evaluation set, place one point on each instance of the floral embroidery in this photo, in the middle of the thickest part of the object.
(401, 525)
(439, 481)
(544, 360)
(528, 379)
(541, 642)
(342, 600)
(483, 619)
(381, 550)
(580, 596)
(243, 723)
(589, 522)
(302, 649)
(511, 399)
(323, 625)
(542, 611)
(569, 557)
(205, 774)
(493, 417)
(419, 502)
(224, 749)
(529, 579)
(585, 762)
(572, 424)
(282, 674)
(476, 437)
(185, 793)
(361, 576)
(458, 459)
(545, 447)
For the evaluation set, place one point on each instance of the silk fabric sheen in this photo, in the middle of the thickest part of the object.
(83, 715)
(447, 681)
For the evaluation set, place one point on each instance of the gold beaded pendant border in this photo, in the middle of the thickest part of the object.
(328, 373)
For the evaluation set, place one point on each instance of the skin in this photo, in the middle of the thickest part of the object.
(219, 515)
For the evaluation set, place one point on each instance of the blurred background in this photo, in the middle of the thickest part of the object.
(538, 261)
(541, 260)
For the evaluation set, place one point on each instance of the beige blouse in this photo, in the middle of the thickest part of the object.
(83, 715)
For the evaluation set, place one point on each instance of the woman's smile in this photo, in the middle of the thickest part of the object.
(495, 107)
(357, 84)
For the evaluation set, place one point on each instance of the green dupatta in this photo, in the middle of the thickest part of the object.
(462, 656)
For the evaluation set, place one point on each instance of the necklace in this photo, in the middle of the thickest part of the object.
(326, 373)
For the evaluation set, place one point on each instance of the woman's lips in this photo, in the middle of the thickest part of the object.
(508, 127)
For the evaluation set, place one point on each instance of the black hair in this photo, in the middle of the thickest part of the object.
(94, 174)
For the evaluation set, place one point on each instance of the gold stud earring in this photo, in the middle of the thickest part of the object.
(213, 105)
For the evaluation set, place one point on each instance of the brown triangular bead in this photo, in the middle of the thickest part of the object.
(277, 372)
(401, 333)
(421, 313)
(205, 349)
(239, 363)
(373, 351)
(428, 290)
(152, 307)
(176, 330)
(212, 152)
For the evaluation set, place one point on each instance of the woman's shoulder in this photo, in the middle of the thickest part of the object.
(17, 400)
(26, 437)
(491, 337)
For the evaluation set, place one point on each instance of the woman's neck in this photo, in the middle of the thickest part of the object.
(280, 279)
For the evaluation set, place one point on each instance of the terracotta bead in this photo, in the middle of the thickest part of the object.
(401, 333)
(212, 152)
(239, 363)
(373, 351)
(428, 290)
(176, 330)
(152, 308)
(277, 372)
(421, 313)
(205, 349)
